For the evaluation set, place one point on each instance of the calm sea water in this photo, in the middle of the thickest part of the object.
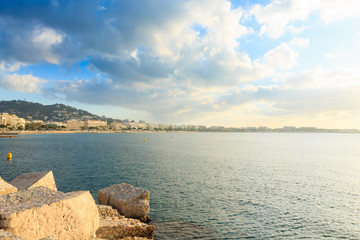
(212, 185)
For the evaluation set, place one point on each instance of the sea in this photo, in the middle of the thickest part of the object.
(212, 185)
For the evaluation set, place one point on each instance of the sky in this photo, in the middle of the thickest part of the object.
(240, 63)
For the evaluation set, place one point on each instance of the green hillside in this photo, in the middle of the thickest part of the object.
(37, 111)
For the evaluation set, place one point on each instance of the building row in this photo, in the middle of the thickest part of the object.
(11, 121)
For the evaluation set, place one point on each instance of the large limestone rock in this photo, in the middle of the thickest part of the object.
(114, 226)
(130, 201)
(42, 212)
(6, 188)
(34, 179)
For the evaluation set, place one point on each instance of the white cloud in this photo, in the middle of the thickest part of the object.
(313, 92)
(280, 15)
(179, 59)
(6, 67)
(23, 83)
(295, 30)
(300, 42)
(275, 16)
(281, 57)
(332, 54)
(44, 39)
(322, 78)
(335, 10)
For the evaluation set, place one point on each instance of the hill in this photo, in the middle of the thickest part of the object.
(37, 111)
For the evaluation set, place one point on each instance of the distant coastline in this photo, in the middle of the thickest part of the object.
(10, 134)
(35, 118)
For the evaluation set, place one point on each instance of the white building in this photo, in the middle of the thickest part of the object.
(131, 125)
(74, 125)
(12, 121)
(95, 124)
(117, 126)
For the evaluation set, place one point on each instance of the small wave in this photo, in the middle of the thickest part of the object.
(182, 230)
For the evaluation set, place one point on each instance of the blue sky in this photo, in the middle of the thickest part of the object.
(210, 62)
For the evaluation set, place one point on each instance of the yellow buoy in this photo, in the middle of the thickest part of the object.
(144, 140)
(9, 156)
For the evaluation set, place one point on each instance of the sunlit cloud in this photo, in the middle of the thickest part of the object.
(300, 42)
(44, 39)
(280, 15)
(23, 83)
(184, 60)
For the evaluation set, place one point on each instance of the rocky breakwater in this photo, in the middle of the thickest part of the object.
(37, 211)
(32, 208)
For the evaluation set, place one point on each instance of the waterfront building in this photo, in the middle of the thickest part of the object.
(307, 129)
(201, 127)
(55, 124)
(289, 129)
(12, 121)
(263, 129)
(142, 125)
(217, 127)
(163, 126)
(179, 127)
(117, 126)
(131, 125)
(74, 125)
(95, 124)
(250, 129)
(192, 127)
(150, 126)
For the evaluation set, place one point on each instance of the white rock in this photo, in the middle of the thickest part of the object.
(34, 179)
(130, 201)
(42, 212)
(6, 188)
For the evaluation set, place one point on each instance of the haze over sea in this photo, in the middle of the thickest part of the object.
(212, 185)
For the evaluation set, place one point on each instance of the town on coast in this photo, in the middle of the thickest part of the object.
(13, 123)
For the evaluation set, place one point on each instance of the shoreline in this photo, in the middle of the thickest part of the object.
(11, 134)
(69, 132)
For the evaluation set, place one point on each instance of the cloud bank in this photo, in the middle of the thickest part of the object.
(178, 60)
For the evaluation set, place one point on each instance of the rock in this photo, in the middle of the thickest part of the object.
(114, 226)
(8, 236)
(34, 179)
(42, 212)
(6, 188)
(107, 211)
(130, 201)
(145, 219)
